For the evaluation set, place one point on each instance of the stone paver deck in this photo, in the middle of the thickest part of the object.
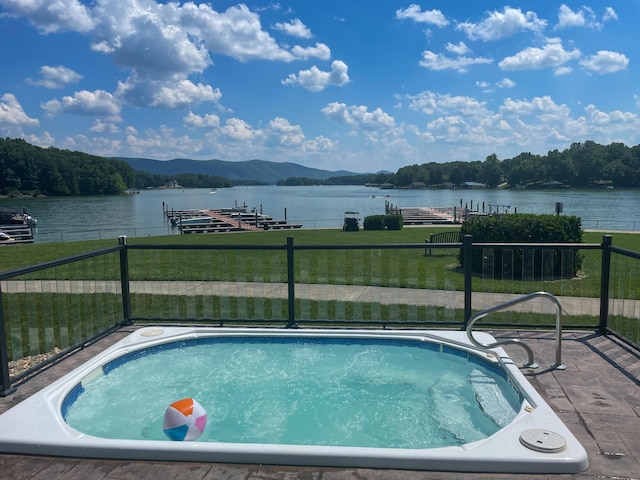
(597, 396)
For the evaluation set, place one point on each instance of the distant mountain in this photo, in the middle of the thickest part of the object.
(256, 170)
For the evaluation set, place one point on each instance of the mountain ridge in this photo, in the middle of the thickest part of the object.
(248, 170)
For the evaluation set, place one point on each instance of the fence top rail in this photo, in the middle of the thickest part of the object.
(56, 263)
(625, 252)
(581, 246)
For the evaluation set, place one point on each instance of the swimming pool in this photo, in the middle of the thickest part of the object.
(534, 440)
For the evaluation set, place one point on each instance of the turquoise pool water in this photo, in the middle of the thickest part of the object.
(360, 392)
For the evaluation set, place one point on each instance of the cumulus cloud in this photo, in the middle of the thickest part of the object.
(238, 129)
(52, 16)
(430, 103)
(12, 114)
(55, 77)
(503, 24)
(96, 103)
(583, 17)
(294, 28)
(166, 94)
(552, 55)
(459, 49)
(359, 116)
(506, 83)
(282, 133)
(437, 61)
(320, 50)
(100, 126)
(315, 80)
(415, 13)
(604, 62)
(197, 121)
(237, 32)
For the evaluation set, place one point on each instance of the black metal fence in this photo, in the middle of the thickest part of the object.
(52, 309)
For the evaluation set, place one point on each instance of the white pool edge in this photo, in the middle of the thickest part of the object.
(36, 426)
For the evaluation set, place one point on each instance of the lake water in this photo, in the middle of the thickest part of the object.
(141, 215)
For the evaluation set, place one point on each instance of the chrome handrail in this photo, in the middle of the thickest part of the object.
(558, 365)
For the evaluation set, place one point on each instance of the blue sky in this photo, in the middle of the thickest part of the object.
(350, 84)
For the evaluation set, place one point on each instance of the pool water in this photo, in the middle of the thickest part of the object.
(300, 391)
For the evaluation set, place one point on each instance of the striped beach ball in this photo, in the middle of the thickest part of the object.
(184, 420)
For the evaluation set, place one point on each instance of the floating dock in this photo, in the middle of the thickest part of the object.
(236, 219)
(17, 226)
(428, 216)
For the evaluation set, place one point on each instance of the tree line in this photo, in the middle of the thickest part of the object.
(581, 165)
(26, 169)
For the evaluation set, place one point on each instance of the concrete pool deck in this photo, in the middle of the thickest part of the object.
(597, 396)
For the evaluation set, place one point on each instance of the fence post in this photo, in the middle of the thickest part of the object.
(5, 388)
(605, 270)
(124, 279)
(291, 283)
(468, 275)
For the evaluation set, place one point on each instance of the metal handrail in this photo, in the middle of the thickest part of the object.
(558, 365)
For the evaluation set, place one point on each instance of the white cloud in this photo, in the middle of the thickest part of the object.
(100, 126)
(430, 103)
(97, 103)
(282, 133)
(209, 120)
(506, 83)
(12, 114)
(44, 140)
(552, 55)
(584, 17)
(437, 61)
(55, 77)
(564, 70)
(537, 106)
(167, 94)
(459, 49)
(503, 24)
(320, 50)
(568, 18)
(237, 32)
(609, 14)
(415, 13)
(294, 28)
(315, 80)
(238, 129)
(52, 16)
(604, 62)
(359, 116)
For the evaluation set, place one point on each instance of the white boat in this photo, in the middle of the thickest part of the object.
(4, 238)
(213, 191)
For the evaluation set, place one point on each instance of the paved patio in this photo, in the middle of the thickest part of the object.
(597, 396)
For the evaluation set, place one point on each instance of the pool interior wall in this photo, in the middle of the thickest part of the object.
(535, 442)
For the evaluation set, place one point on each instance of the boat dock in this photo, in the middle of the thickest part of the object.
(16, 227)
(428, 216)
(235, 219)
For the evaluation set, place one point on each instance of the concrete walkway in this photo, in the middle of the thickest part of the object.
(597, 396)
(352, 293)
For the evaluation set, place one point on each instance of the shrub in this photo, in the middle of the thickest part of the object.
(524, 228)
(383, 222)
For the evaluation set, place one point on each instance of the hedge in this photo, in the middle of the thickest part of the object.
(524, 228)
(383, 222)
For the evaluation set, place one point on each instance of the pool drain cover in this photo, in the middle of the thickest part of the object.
(543, 441)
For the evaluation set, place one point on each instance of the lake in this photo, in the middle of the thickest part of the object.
(141, 215)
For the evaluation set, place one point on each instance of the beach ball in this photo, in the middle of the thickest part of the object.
(184, 420)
